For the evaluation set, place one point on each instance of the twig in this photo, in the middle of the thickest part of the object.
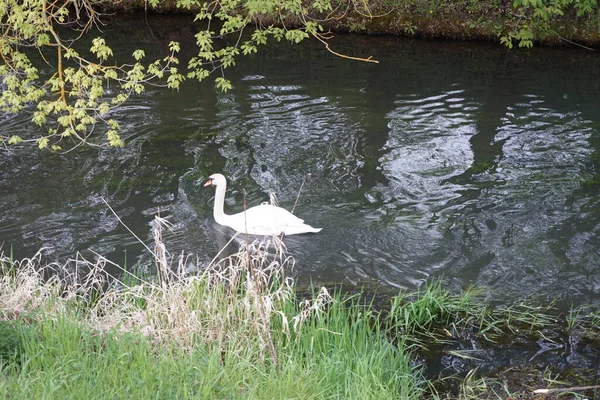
(126, 227)
(118, 267)
(575, 44)
(212, 262)
(298, 196)
(571, 389)
(369, 59)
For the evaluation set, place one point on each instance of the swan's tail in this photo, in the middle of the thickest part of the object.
(299, 229)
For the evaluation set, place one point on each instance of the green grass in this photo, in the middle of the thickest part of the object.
(336, 354)
(236, 330)
(63, 360)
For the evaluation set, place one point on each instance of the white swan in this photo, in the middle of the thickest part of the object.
(262, 220)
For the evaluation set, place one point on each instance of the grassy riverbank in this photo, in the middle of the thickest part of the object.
(236, 330)
(58, 355)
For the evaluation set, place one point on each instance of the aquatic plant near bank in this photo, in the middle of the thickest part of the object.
(434, 315)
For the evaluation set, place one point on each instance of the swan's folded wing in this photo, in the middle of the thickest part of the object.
(266, 219)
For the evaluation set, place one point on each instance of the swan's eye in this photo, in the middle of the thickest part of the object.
(209, 181)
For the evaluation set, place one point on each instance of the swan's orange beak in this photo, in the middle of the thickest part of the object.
(208, 182)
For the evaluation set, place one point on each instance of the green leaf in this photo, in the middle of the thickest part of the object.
(526, 43)
(262, 6)
(39, 118)
(259, 37)
(175, 79)
(42, 39)
(204, 41)
(15, 139)
(114, 139)
(42, 142)
(248, 48)
(139, 54)
(114, 125)
(199, 74)
(110, 74)
(296, 35)
(323, 5)
(507, 41)
(70, 53)
(100, 49)
(223, 84)
(174, 47)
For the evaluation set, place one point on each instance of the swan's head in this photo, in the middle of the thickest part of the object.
(215, 180)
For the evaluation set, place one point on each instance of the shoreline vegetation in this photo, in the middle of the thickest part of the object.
(512, 22)
(239, 329)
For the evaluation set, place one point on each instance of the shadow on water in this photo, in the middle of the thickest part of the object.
(461, 160)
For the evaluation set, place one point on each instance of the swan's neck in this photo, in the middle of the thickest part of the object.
(218, 212)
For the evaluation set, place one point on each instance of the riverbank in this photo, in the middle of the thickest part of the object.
(239, 329)
(518, 23)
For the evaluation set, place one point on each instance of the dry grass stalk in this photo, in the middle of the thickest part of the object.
(233, 301)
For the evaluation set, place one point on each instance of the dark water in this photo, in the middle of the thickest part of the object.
(448, 159)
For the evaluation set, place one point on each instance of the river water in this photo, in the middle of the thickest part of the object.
(453, 160)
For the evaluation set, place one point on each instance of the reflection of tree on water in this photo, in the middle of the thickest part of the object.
(486, 227)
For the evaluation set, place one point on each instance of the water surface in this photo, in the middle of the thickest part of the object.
(448, 159)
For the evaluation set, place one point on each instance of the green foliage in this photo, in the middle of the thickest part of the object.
(532, 18)
(60, 358)
(524, 37)
(238, 330)
(14, 139)
(434, 315)
(223, 84)
(345, 338)
(10, 342)
(73, 101)
(546, 8)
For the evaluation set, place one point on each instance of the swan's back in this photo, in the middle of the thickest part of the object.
(269, 220)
